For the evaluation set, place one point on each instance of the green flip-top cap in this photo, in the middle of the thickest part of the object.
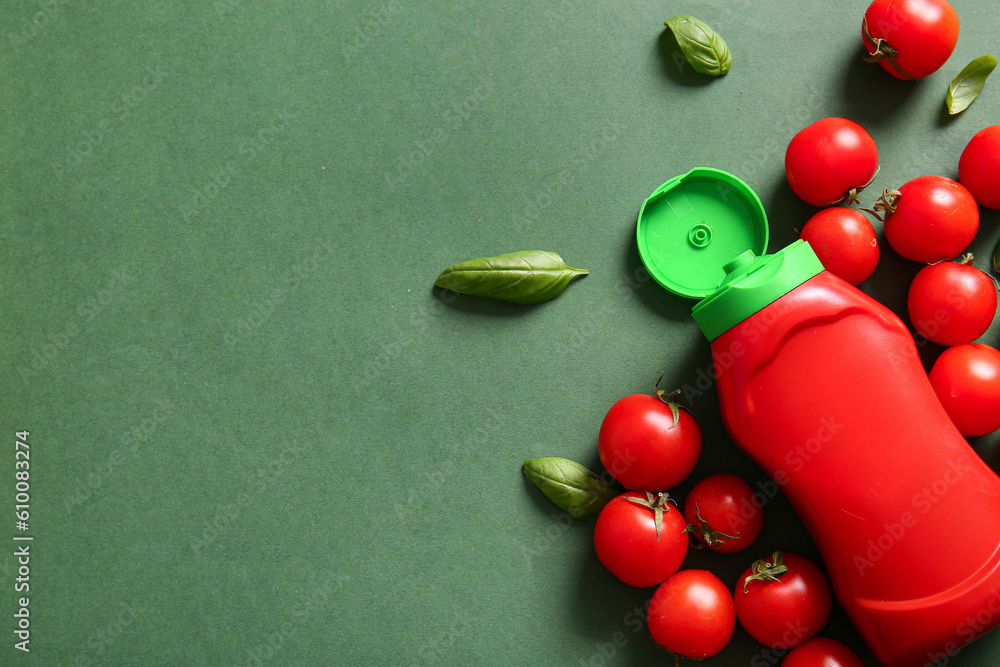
(703, 235)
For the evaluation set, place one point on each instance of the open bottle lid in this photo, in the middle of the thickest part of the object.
(694, 224)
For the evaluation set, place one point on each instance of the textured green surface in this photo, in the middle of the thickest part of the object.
(259, 435)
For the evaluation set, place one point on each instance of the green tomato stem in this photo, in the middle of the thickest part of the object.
(883, 51)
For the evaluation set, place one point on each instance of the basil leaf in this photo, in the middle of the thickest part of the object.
(702, 46)
(966, 86)
(528, 276)
(996, 259)
(570, 485)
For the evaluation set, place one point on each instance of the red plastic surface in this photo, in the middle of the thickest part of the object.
(825, 390)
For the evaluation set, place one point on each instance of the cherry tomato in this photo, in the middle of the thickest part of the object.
(952, 302)
(979, 167)
(822, 652)
(845, 242)
(721, 511)
(649, 442)
(930, 218)
(692, 614)
(966, 379)
(830, 160)
(912, 38)
(631, 544)
(783, 600)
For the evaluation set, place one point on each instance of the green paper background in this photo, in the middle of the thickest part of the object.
(258, 434)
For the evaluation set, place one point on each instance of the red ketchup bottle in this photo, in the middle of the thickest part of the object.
(822, 386)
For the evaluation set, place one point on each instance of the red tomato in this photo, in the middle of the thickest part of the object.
(844, 240)
(979, 167)
(720, 510)
(966, 379)
(783, 600)
(648, 442)
(951, 302)
(930, 218)
(910, 38)
(830, 161)
(631, 544)
(822, 652)
(692, 615)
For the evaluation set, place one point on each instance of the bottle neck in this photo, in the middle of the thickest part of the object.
(752, 283)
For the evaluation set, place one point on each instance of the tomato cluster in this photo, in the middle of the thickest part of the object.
(650, 444)
(930, 219)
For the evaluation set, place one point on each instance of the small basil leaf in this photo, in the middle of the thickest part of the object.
(966, 86)
(996, 259)
(528, 276)
(703, 47)
(570, 485)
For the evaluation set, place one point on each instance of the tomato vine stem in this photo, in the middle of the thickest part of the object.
(761, 570)
(887, 201)
(709, 536)
(851, 196)
(883, 51)
(659, 504)
(670, 399)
